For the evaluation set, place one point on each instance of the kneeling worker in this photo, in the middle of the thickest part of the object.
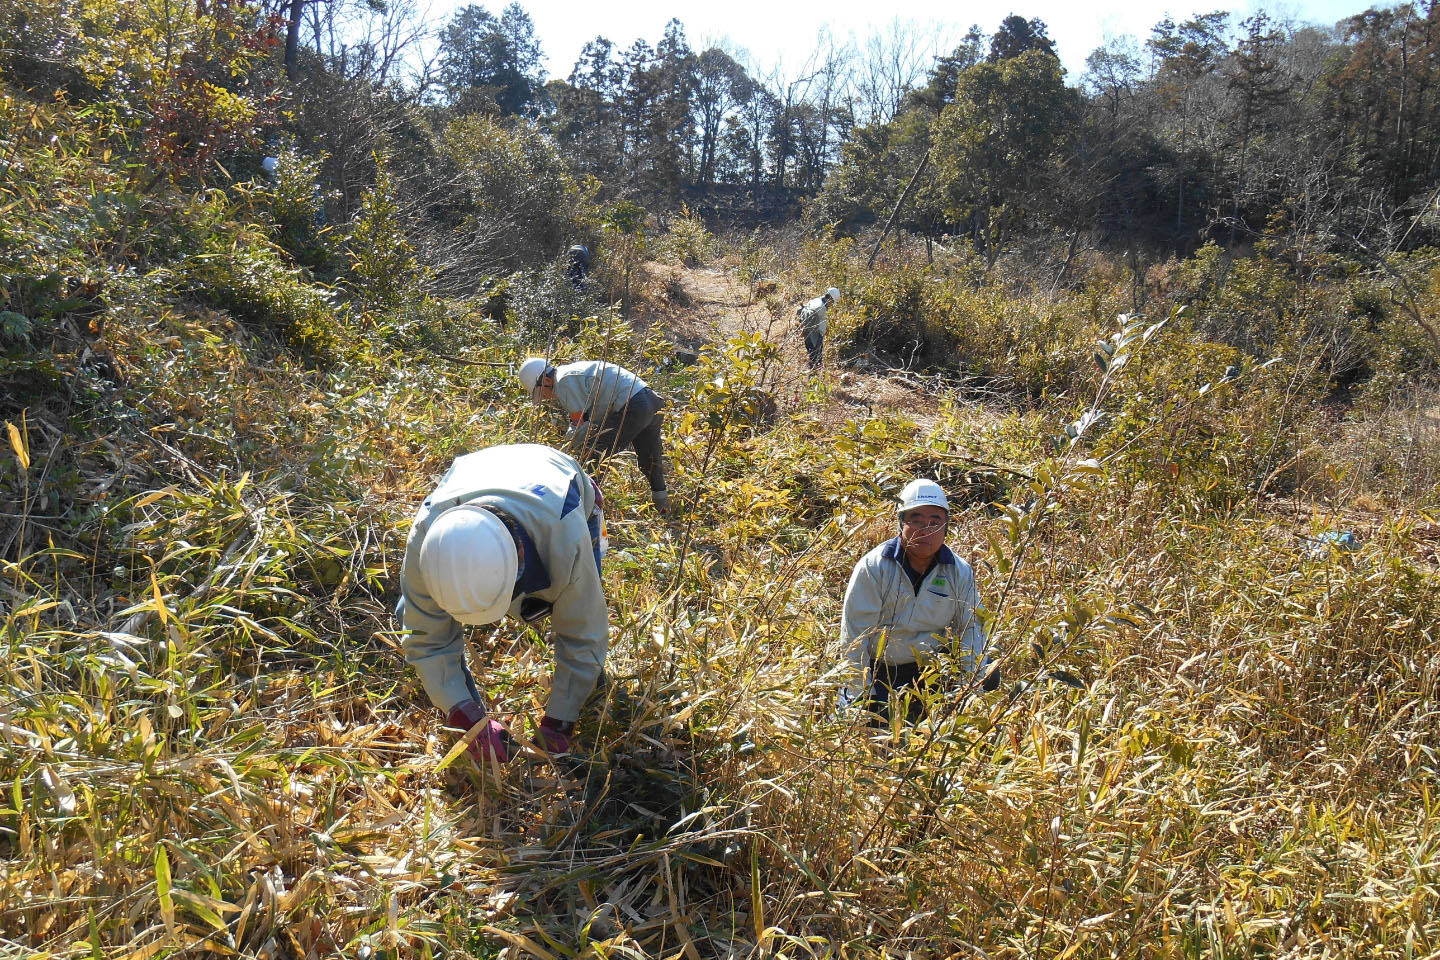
(609, 408)
(511, 529)
(903, 597)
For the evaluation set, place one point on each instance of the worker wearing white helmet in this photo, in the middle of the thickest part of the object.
(609, 409)
(910, 599)
(813, 324)
(511, 529)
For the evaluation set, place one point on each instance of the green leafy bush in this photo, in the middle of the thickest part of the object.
(686, 241)
(298, 206)
(384, 271)
(244, 273)
(520, 200)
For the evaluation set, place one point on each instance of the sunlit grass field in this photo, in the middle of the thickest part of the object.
(1215, 736)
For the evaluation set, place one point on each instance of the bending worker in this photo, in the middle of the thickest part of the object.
(813, 324)
(578, 265)
(511, 529)
(909, 599)
(609, 408)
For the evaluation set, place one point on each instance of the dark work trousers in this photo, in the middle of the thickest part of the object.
(902, 677)
(637, 425)
(897, 678)
(815, 347)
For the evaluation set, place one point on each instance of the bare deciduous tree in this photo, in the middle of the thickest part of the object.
(893, 63)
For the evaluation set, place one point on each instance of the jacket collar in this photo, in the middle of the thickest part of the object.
(532, 577)
(892, 550)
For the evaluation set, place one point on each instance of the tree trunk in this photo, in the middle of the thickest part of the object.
(896, 212)
(292, 39)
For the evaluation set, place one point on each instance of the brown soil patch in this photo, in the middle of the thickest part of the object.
(708, 305)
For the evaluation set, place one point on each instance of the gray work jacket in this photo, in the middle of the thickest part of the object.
(551, 498)
(594, 389)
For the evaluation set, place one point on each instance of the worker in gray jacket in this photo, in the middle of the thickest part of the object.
(813, 324)
(511, 529)
(909, 599)
(609, 409)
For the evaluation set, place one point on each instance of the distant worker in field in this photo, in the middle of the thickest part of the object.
(609, 409)
(511, 529)
(909, 600)
(813, 324)
(579, 267)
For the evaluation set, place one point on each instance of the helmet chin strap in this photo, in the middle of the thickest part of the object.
(511, 525)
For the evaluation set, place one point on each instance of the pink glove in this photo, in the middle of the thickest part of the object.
(556, 736)
(492, 741)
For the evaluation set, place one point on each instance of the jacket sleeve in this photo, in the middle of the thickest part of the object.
(572, 390)
(860, 618)
(969, 633)
(434, 645)
(582, 634)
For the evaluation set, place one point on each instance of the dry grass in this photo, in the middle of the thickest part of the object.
(1210, 743)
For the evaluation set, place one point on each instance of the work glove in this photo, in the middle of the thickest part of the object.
(575, 437)
(661, 499)
(849, 701)
(492, 741)
(555, 736)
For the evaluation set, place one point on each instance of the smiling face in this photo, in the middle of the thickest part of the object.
(922, 533)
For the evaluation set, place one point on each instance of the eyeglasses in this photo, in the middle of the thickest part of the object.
(923, 526)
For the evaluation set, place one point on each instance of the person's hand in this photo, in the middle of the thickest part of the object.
(493, 740)
(849, 702)
(577, 433)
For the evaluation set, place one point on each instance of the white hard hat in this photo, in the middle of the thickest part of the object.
(833, 293)
(922, 493)
(268, 164)
(469, 563)
(531, 371)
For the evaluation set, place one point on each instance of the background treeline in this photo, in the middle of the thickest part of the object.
(1207, 129)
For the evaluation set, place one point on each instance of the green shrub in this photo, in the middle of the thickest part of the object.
(686, 242)
(384, 271)
(248, 277)
(544, 305)
(521, 203)
(298, 206)
(890, 316)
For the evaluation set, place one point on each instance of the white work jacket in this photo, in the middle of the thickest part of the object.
(812, 317)
(884, 618)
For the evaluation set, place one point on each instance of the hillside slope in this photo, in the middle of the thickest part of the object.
(1212, 740)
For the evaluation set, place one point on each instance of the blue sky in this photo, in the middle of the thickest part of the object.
(784, 34)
